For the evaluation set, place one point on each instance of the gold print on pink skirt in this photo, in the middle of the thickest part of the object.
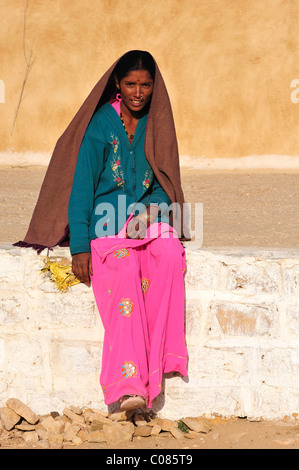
(145, 284)
(129, 369)
(121, 253)
(125, 307)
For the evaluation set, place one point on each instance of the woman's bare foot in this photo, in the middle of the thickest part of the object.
(131, 402)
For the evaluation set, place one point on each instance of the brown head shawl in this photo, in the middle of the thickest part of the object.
(49, 223)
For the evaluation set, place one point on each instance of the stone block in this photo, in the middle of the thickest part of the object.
(32, 265)
(43, 434)
(8, 418)
(13, 308)
(292, 321)
(193, 318)
(31, 437)
(198, 424)
(83, 434)
(64, 309)
(95, 436)
(240, 319)
(143, 431)
(176, 432)
(77, 369)
(52, 425)
(276, 401)
(203, 269)
(296, 279)
(216, 364)
(11, 268)
(23, 410)
(91, 416)
(74, 417)
(75, 357)
(279, 367)
(2, 361)
(24, 353)
(156, 429)
(115, 433)
(122, 415)
(24, 426)
(289, 282)
(70, 431)
(256, 277)
(55, 438)
(166, 424)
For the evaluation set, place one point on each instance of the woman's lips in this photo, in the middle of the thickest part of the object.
(136, 102)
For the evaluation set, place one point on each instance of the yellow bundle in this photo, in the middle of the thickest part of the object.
(60, 271)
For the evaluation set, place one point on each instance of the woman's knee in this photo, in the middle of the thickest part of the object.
(169, 249)
(123, 260)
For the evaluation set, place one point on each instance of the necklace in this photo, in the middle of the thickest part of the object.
(130, 136)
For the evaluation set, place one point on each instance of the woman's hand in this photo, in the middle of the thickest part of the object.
(82, 267)
(136, 229)
(137, 226)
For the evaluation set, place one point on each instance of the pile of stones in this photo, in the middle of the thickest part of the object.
(76, 426)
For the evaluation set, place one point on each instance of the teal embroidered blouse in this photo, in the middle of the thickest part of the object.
(108, 167)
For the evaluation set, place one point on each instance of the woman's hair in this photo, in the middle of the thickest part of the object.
(134, 60)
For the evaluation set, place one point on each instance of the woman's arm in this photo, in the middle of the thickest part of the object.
(82, 267)
(158, 195)
(89, 166)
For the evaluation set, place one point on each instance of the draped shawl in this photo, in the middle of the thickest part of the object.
(49, 223)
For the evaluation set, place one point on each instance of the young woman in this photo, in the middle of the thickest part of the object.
(124, 179)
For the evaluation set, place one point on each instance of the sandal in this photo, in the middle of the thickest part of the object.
(132, 402)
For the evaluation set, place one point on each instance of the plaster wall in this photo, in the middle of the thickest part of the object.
(230, 68)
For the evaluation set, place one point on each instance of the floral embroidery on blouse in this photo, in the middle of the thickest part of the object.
(121, 253)
(145, 284)
(126, 307)
(129, 369)
(118, 174)
(147, 178)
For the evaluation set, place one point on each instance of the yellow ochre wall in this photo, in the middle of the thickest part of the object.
(229, 65)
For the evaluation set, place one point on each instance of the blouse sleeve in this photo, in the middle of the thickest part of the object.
(158, 195)
(89, 167)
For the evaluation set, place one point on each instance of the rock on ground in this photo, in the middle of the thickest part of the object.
(76, 426)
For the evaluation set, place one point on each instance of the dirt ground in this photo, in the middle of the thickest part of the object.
(233, 433)
(240, 208)
(244, 209)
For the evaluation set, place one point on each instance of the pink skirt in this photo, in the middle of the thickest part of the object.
(139, 290)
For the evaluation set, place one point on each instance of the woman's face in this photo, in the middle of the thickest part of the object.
(136, 90)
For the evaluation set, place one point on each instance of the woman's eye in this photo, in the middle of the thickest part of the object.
(145, 85)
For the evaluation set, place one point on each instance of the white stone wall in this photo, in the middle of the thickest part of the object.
(242, 332)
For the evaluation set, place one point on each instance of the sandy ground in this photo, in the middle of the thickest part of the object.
(233, 433)
(249, 209)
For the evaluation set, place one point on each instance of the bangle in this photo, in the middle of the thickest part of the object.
(145, 218)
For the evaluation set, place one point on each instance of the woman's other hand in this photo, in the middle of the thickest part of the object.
(82, 267)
